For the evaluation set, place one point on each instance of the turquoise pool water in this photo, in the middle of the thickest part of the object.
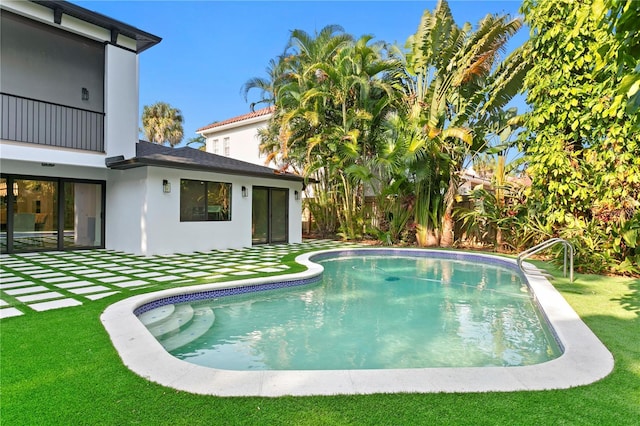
(375, 312)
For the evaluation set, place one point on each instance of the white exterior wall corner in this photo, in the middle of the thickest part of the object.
(121, 102)
(126, 194)
(295, 213)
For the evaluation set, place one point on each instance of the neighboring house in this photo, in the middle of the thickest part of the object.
(237, 137)
(75, 176)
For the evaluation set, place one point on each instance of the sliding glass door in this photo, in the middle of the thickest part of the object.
(39, 213)
(270, 215)
(82, 214)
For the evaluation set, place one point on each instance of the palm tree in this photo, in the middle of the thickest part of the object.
(162, 124)
(266, 86)
(451, 82)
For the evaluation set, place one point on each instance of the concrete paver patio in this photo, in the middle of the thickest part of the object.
(51, 280)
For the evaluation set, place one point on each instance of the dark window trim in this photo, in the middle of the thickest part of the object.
(205, 205)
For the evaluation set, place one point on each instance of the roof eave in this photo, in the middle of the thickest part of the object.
(221, 127)
(144, 40)
(144, 162)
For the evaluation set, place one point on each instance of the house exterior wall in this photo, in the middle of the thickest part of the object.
(142, 219)
(244, 143)
(48, 68)
(125, 206)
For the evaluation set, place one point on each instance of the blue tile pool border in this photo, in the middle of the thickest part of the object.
(223, 292)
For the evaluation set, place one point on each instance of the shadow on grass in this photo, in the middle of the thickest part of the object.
(631, 300)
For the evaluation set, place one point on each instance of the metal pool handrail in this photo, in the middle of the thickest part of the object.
(546, 244)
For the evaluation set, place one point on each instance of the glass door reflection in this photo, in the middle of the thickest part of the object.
(35, 215)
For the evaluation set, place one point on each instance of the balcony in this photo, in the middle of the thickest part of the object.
(44, 123)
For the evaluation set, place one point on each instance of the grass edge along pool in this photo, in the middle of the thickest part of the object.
(585, 359)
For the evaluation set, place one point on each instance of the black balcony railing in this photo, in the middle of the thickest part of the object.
(45, 123)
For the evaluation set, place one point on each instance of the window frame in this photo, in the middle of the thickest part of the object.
(206, 211)
(226, 147)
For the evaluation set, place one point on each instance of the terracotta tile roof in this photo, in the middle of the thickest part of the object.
(254, 114)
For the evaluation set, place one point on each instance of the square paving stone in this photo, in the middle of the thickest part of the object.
(86, 271)
(166, 278)
(31, 269)
(127, 284)
(74, 284)
(162, 268)
(119, 268)
(268, 270)
(15, 284)
(10, 312)
(149, 275)
(207, 267)
(47, 275)
(197, 274)
(99, 275)
(58, 279)
(10, 279)
(131, 271)
(92, 289)
(40, 296)
(115, 279)
(100, 295)
(178, 271)
(72, 268)
(54, 304)
(26, 290)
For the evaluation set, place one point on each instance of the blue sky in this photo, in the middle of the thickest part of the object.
(211, 48)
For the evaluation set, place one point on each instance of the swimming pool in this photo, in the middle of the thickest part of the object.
(368, 311)
(583, 361)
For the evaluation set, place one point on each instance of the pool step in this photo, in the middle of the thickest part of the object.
(157, 315)
(538, 272)
(180, 316)
(202, 320)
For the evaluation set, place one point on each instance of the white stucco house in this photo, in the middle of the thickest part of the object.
(237, 137)
(73, 174)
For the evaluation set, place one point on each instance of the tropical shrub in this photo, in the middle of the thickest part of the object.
(582, 140)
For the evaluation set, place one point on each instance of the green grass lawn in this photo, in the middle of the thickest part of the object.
(59, 368)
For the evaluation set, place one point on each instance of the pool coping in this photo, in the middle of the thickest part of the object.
(585, 358)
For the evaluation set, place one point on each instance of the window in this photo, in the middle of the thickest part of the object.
(225, 146)
(214, 146)
(204, 201)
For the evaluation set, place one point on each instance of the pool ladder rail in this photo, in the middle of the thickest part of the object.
(568, 249)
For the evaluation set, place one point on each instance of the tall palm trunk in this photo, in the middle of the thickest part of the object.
(426, 208)
(447, 238)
